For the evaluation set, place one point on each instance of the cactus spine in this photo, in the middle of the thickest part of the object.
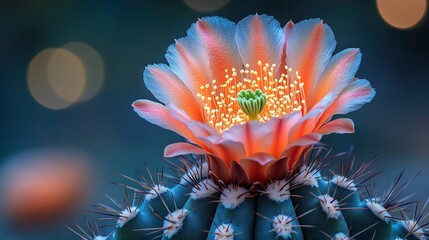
(299, 205)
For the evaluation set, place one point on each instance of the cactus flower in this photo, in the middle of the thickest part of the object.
(253, 96)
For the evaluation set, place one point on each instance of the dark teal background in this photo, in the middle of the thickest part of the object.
(132, 34)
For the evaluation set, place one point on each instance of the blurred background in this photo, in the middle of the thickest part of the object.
(69, 71)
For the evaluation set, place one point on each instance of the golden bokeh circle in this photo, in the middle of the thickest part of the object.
(38, 83)
(94, 68)
(66, 75)
(402, 14)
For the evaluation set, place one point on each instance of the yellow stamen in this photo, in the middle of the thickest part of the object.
(282, 96)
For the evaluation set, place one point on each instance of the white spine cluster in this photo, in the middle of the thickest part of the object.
(126, 215)
(233, 196)
(282, 225)
(330, 206)
(224, 232)
(195, 172)
(341, 236)
(307, 177)
(377, 209)
(343, 182)
(412, 226)
(100, 238)
(153, 193)
(204, 189)
(278, 190)
(174, 222)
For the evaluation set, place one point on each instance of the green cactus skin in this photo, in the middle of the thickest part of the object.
(303, 205)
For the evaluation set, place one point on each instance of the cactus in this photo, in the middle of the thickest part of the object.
(301, 204)
(257, 134)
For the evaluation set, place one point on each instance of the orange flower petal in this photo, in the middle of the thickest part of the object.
(281, 128)
(255, 136)
(177, 149)
(339, 73)
(259, 38)
(216, 34)
(309, 49)
(157, 114)
(256, 166)
(340, 125)
(190, 61)
(287, 29)
(353, 97)
(225, 149)
(308, 122)
(168, 88)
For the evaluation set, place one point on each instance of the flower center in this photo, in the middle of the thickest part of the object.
(252, 95)
(251, 103)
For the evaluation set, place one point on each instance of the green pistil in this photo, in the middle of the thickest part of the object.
(252, 103)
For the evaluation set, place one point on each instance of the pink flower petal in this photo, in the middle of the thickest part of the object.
(198, 129)
(353, 97)
(157, 114)
(308, 50)
(306, 140)
(217, 36)
(256, 171)
(262, 158)
(259, 37)
(168, 88)
(308, 122)
(225, 149)
(287, 29)
(256, 166)
(179, 149)
(190, 61)
(255, 136)
(340, 125)
(280, 130)
(358, 93)
(339, 73)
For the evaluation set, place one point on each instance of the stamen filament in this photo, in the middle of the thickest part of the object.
(252, 95)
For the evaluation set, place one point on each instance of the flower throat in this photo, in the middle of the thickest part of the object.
(251, 95)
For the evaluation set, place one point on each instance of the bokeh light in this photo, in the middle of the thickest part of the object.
(66, 75)
(59, 77)
(39, 84)
(206, 5)
(402, 14)
(43, 186)
(94, 68)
